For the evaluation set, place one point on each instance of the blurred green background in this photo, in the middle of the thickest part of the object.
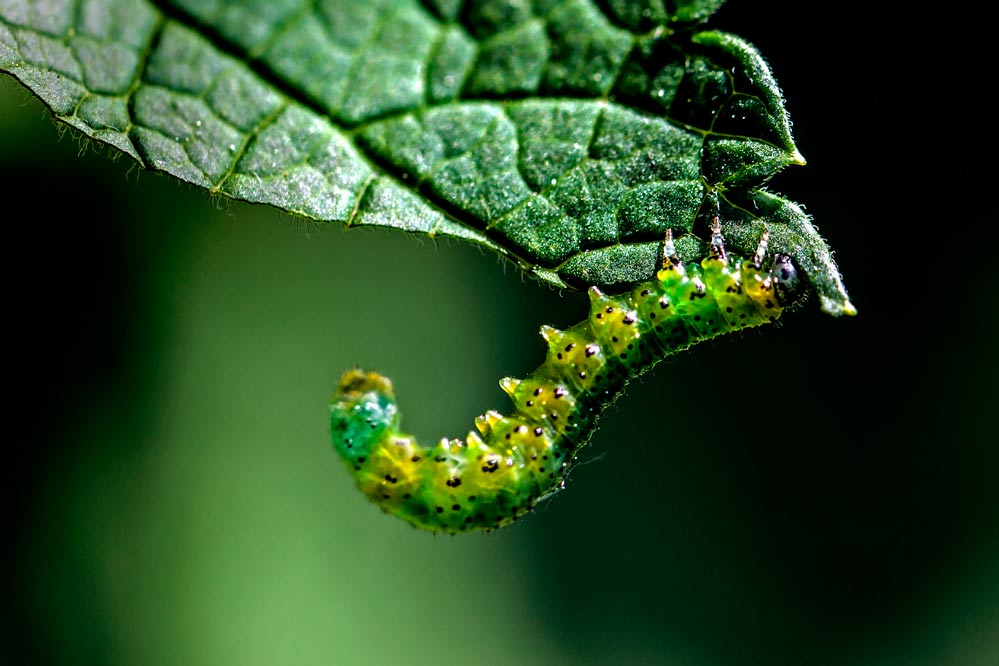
(175, 499)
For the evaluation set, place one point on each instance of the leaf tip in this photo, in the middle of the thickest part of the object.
(838, 307)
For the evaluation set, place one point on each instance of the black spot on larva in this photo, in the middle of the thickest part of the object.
(697, 317)
(552, 475)
(350, 446)
(646, 292)
(629, 320)
(600, 315)
(406, 496)
(361, 459)
(455, 507)
(569, 347)
(440, 459)
(440, 509)
(391, 479)
(558, 454)
(609, 309)
(538, 391)
(534, 456)
(652, 315)
(468, 519)
(560, 356)
(520, 429)
(529, 403)
(560, 392)
(769, 304)
(491, 466)
(453, 483)
(590, 351)
(613, 338)
(623, 355)
(663, 303)
(415, 459)
(471, 498)
(544, 457)
(582, 374)
(508, 436)
(538, 431)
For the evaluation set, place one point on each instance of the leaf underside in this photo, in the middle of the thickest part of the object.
(565, 135)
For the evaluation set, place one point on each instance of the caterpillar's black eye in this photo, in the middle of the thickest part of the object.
(788, 284)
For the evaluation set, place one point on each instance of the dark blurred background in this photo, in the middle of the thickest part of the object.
(174, 498)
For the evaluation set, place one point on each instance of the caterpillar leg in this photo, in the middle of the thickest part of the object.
(717, 242)
(670, 257)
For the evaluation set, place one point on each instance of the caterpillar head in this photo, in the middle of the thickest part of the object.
(362, 410)
(788, 285)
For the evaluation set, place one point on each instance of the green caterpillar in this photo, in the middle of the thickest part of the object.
(499, 473)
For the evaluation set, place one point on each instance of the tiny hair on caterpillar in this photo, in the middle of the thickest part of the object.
(500, 471)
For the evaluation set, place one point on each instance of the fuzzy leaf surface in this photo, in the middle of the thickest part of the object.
(565, 135)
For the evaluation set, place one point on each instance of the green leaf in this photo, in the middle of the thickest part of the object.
(565, 135)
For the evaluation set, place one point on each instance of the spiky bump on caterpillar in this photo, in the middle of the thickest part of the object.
(500, 471)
